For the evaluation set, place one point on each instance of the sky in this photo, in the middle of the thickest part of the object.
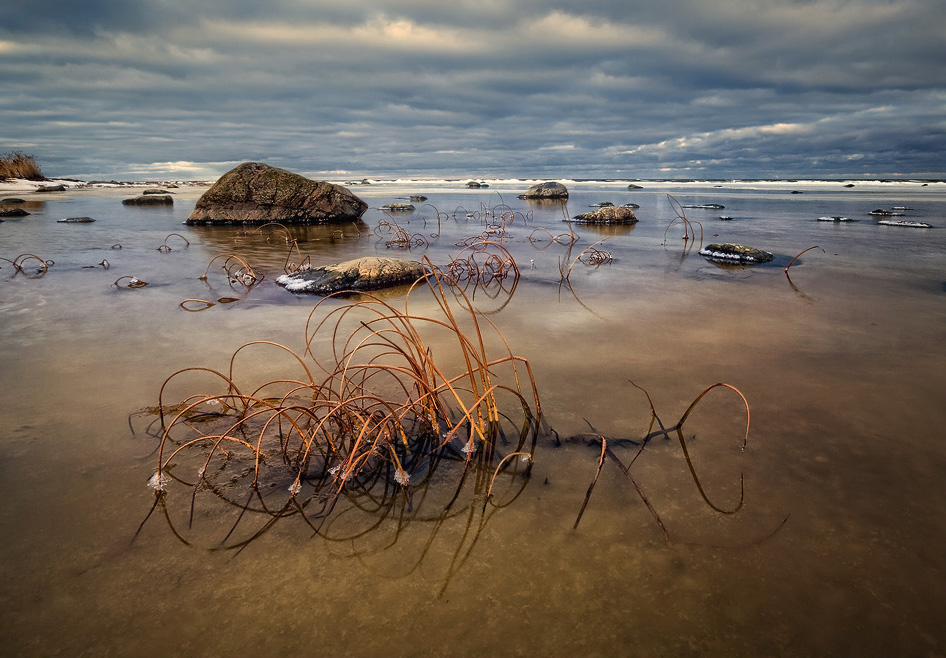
(336, 89)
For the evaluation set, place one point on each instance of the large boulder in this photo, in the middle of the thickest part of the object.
(361, 274)
(607, 215)
(549, 190)
(255, 193)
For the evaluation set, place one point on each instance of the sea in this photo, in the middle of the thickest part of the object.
(799, 510)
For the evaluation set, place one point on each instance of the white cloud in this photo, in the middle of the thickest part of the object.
(523, 86)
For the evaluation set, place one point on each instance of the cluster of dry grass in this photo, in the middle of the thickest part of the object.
(372, 416)
(19, 165)
(378, 416)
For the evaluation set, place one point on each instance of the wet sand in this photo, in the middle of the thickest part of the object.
(837, 550)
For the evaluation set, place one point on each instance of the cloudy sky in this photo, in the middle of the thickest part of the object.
(176, 89)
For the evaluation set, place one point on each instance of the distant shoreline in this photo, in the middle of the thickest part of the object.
(24, 186)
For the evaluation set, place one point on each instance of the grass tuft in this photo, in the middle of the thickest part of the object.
(19, 165)
(371, 418)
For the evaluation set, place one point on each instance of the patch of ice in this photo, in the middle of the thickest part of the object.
(293, 284)
(158, 481)
(904, 222)
(726, 255)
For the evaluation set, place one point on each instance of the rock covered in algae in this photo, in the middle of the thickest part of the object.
(607, 215)
(361, 274)
(256, 193)
(728, 252)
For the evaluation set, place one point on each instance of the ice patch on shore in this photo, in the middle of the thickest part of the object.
(294, 284)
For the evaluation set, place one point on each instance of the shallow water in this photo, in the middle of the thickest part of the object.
(837, 551)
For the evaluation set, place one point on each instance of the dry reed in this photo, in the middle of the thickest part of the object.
(372, 419)
(20, 165)
(688, 231)
(237, 269)
(20, 261)
(164, 248)
(132, 282)
(668, 432)
(792, 262)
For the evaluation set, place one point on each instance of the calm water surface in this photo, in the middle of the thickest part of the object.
(837, 550)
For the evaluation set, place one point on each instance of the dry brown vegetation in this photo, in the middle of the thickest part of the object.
(381, 411)
(19, 165)
(373, 414)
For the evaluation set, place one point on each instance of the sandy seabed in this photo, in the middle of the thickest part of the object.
(837, 550)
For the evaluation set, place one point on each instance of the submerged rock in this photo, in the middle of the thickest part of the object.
(149, 200)
(904, 222)
(835, 218)
(361, 274)
(548, 190)
(76, 220)
(398, 207)
(727, 252)
(14, 212)
(256, 193)
(607, 215)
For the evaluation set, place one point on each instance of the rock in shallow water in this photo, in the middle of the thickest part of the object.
(727, 252)
(149, 200)
(255, 193)
(607, 215)
(361, 274)
(549, 190)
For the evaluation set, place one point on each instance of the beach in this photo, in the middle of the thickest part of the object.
(836, 549)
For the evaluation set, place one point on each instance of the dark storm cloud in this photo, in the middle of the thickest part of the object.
(725, 88)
